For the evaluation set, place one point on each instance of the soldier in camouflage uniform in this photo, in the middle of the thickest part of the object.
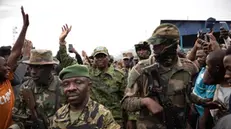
(45, 88)
(143, 50)
(81, 112)
(108, 82)
(157, 86)
(127, 62)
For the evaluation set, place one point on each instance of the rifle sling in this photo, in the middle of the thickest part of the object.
(57, 97)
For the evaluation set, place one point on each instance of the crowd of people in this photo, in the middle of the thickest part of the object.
(161, 87)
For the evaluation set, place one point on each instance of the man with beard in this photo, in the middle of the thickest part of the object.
(7, 97)
(45, 88)
(81, 112)
(157, 86)
(108, 82)
(143, 50)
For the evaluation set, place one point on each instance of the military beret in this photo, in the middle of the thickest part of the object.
(75, 70)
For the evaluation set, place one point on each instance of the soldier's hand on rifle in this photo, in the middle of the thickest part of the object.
(151, 105)
(65, 31)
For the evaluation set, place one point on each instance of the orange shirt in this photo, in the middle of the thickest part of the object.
(6, 103)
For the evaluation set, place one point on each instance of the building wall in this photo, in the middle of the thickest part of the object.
(189, 28)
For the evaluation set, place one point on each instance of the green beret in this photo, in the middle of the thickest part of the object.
(75, 70)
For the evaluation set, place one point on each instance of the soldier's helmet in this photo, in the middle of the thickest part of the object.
(142, 45)
(165, 33)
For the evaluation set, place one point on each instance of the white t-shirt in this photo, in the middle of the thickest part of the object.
(222, 94)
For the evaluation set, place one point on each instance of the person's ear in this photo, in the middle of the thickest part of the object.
(89, 85)
(217, 68)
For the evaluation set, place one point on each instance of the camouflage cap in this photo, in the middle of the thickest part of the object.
(41, 57)
(99, 50)
(164, 31)
(127, 55)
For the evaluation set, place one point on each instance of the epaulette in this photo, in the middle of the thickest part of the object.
(186, 62)
(119, 70)
(189, 65)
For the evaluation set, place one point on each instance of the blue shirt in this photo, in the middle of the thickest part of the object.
(203, 91)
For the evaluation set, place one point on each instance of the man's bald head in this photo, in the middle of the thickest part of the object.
(227, 65)
(215, 70)
(216, 57)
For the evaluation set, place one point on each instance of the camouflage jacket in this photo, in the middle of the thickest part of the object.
(47, 101)
(108, 87)
(177, 78)
(93, 116)
(65, 59)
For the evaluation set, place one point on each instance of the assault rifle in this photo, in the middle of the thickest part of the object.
(37, 122)
(157, 87)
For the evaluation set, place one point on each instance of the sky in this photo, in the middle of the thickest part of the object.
(116, 24)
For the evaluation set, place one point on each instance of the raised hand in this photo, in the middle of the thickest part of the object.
(25, 18)
(65, 31)
(27, 48)
(84, 54)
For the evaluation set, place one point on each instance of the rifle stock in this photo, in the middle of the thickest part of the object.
(152, 74)
(30, 101)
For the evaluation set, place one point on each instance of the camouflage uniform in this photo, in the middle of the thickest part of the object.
(108, 86)
(93, 116)
(173, 94)
(108, 89)
(48, 97)
(145, 46)
(128, 56)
